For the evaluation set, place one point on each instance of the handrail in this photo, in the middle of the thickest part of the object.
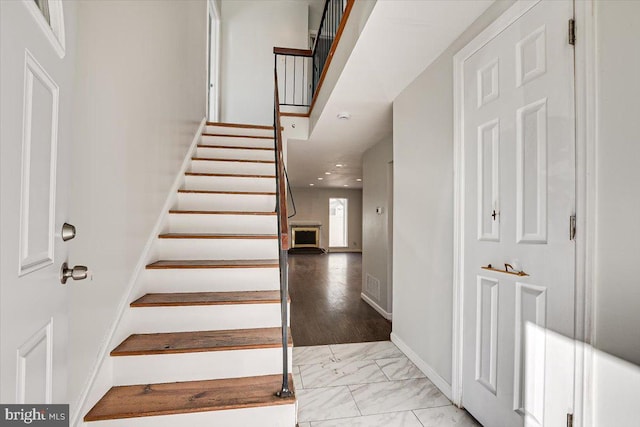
(292, 52)
(283, 240)
(293, 201)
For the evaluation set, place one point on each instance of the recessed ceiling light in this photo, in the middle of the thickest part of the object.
(311, 185)
(327, 173)
(320, 179)
(346, 185)
(344, 115)
(339, 165)
(359, 179)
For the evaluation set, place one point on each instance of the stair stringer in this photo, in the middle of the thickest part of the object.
(100, 379)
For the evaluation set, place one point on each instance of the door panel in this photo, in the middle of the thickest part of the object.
(36, 80)
(518, 130)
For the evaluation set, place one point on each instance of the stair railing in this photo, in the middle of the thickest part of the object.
(302, 71)
(283, 241)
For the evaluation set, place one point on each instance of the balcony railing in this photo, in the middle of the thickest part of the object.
(302, 71)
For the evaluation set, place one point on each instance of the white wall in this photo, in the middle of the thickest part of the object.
(375, 231)
(423, 207)
(312, 205)
(250, 30)
(354, 26)
(617, 272)
(316, 7)
(140, 97)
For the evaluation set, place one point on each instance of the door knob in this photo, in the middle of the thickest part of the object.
(79, 272)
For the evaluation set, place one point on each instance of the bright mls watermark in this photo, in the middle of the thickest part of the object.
(34, 415)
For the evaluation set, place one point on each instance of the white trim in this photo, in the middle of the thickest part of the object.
(28, 262)
(502, 22)
(431, 374)
(131, 287)
(44, 335)
(215, 13)
(54, 32)
(342, 250)
(490, 383)
(586, 197)
(376, 307)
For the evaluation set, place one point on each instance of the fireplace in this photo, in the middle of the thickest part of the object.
(306, 236)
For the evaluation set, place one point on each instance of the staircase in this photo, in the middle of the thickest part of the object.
(207, 347)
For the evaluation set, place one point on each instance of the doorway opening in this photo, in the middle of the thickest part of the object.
(338, 228)
(213, 61)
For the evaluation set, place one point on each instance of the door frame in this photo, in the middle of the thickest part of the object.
(213, 64)
(585, 112)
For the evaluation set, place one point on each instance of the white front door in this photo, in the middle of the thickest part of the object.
(519, 188)
(36, 79)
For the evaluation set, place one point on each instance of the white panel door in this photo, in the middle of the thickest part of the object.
(36, 79)
(518, 136)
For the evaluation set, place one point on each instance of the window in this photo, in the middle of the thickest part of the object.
(338, 237)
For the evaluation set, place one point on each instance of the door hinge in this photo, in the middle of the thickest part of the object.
(572, 227)
(569, 420)
(572, 31)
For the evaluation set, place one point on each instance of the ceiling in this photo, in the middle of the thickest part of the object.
(400, 39)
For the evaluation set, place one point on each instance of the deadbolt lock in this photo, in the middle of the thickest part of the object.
(68, 232)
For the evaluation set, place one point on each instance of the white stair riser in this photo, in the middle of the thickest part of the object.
(226, 202)
(219, 249)
(265, 416)
(230, 224)
(229, 183)
(238, 168)
(151, 320)
(237, 141)
(163, 368)
(228, 130)
(234, 153)
(211, 279)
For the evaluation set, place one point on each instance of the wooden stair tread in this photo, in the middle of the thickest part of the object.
(206, 298)
(207, 159)
(175, 211)
(229, 175)
(188, 397)
(208, 263)
(200, 341)
(226, 135)
(234, 147)
(246, 193)
(217, 236)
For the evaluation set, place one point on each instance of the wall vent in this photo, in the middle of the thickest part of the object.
(373, 287)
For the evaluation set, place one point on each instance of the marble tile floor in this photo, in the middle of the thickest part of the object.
(368, 385)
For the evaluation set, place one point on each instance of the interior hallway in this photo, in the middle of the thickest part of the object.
(326, 307)
(368, 385)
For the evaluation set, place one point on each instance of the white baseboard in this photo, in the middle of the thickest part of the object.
(376, 307)
(433, 376)
(343, 250)
(103, 355)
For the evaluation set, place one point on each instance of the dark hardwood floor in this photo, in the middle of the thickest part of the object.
(326, 307)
